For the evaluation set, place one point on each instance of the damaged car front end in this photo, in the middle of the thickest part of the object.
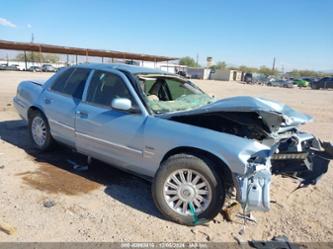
(303, 158)
(291, 152)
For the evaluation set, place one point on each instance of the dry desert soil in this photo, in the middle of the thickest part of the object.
(105, 204)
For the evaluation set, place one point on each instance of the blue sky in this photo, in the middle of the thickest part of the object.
(299, 33)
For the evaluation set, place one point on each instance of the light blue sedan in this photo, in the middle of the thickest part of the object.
(194, 148)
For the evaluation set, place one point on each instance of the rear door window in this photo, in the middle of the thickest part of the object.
(72, 82)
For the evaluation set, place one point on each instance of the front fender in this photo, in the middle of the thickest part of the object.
(162, 135)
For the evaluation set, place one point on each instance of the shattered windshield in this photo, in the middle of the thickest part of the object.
(170, 94)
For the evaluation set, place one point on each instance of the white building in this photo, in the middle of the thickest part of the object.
(226, 75)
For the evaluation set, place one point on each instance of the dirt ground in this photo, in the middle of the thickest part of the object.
(105, 204)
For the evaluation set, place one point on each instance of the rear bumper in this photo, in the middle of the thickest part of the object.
(20, 108)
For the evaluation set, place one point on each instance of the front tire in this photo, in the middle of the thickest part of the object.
(188, 190)
(39, 130)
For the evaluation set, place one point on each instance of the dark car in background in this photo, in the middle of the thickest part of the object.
(248, 78)
(255, 78)
(48, 68)
(183, 74)
(326, 82)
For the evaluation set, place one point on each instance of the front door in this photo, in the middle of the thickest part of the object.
(110, 135)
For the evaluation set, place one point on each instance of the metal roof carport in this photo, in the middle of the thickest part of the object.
(48, 48)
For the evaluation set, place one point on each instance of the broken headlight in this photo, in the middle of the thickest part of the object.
(260, 157)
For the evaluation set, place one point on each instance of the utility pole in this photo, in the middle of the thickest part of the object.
(40, 55)
(197, 59)
(273, 68)
(32, 53)
(25, 60)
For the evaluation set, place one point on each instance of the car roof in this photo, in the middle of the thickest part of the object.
(129, 68)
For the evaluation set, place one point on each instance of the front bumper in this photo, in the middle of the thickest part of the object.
(307, 160)
(20, 108)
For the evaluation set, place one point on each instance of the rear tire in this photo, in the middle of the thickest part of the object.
(175, 186)
(315, 87)
(39, 130)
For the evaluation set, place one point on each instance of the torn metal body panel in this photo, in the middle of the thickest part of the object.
(253, 189)
(275, 117)
(301, 156)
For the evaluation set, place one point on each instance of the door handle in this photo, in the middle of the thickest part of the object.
(47, 101)
(82, 114)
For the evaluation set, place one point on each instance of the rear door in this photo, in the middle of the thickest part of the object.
(60, 101)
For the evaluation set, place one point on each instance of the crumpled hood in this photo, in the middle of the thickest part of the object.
(290, 116)
(250, 104)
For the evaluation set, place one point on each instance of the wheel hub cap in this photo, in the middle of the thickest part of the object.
(187, 190)
(38, 130)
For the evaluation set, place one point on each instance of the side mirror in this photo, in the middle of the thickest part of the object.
(121, 104)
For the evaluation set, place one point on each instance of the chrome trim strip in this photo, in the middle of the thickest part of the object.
(118, 146)
(148, 154)
(16, 101)
(62, 125)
